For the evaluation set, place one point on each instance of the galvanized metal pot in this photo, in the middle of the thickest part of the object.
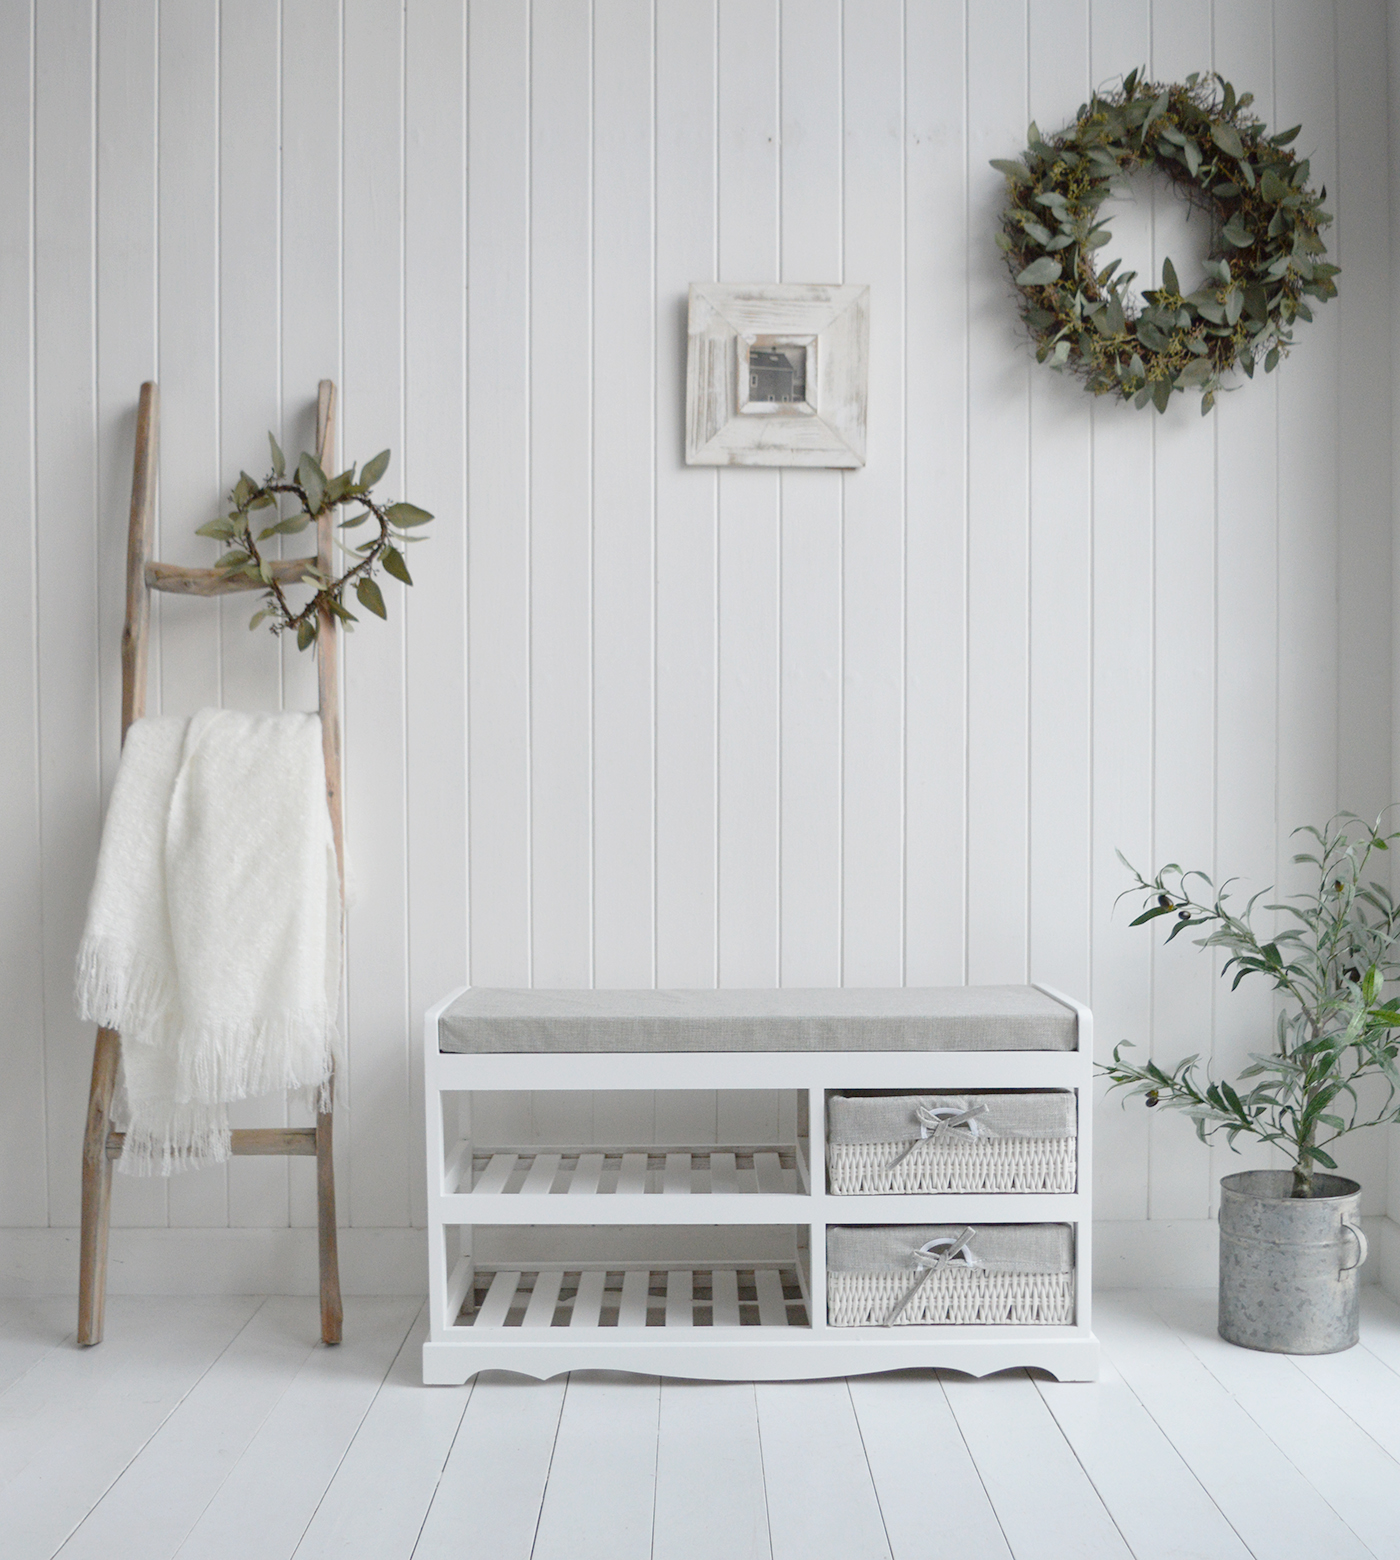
(1288, 1265)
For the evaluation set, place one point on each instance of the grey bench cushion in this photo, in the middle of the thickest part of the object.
(931, 1018)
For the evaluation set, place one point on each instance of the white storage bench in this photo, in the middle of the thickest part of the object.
(710, 1260)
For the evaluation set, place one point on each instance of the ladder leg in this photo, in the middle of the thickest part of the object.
(325, 1217)
(97, 1189)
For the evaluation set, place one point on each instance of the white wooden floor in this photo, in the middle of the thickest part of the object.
(220, 1428)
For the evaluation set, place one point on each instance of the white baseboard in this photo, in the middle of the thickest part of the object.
(215, 1262)
(1128, 1254)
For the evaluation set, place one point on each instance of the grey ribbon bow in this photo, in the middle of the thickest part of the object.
(950, 1116)
(933, 1257)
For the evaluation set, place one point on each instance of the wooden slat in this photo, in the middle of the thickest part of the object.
(249, 1140)
(769, 1169)
(540, 1311)
(177, 580)
(632, 1178)
(772, 1308)
(723, 1176)
(136, 630)
(680, 1291)
(676, 1177)
(497, 1302)
(496, 1174)
(585, 1177)
(725, 1286)
(633, 1310)
(588, 1302)
(542, 1173)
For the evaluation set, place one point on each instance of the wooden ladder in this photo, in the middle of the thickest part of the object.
(101, 1145)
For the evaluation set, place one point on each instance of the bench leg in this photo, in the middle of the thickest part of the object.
(97, 1189)
(331, 1310)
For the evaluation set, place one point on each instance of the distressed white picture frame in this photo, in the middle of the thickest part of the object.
(829, 326)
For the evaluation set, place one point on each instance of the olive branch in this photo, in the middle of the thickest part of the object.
(316, 494)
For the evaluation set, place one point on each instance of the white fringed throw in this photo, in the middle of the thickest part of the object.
(213, 933)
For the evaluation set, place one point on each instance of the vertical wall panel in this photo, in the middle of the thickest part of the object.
(998, 389)
(126, 355)
(434, 471)
(937, 263)
(185, 663)
(23, 1157)
(1060, 578)
(810, 782)
(378, 1024)
(498, 430)
(1120, 37)
(686, 508)
(311, 225)
(1184, 576)
(561, 889)
(872, 834)
(1246, 673)
(249, 405)
(66, 477)
(748, 521)
(623, 471)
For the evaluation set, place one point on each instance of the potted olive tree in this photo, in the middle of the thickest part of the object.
(1290, 1241)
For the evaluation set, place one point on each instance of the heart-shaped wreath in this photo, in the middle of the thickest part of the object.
(314, 494)
(1267, 255)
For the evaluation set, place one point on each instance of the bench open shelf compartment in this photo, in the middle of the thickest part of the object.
(708, 1259)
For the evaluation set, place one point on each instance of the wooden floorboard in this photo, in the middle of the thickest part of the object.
(1277, 1513)
(1046, 1505)
(488, 1498)
(30, 1329)
(380, 1495)
(601, 1495)
(214, 1428)
(709, 1442)
(271, 1495)
(920, 1463)
(821, 1499)
(74, 1421)
(150, 1510)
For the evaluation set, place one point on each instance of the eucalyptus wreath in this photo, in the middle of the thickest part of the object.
(315, 493)
(1267, 253)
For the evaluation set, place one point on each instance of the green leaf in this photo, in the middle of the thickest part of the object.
(1038, 273)
(220, 530)
(313, 479)
(395, 564)
(257, 617)
(410, 514)
(353, 521)
(1169, 279)
(369, 595)
(1227, 138)
(306, 632)
(279, 461)
(374, 469)
(1237, 233)
(1285, 136)
(1014, 171)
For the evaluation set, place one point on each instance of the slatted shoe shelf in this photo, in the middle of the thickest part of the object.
(708, 1261)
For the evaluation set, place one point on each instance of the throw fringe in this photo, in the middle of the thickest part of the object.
(119, 988)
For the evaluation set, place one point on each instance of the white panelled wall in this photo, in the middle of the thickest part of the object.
(640, 724)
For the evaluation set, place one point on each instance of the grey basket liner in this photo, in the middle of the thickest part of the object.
(1000, 1248)
(936, 1018)
(893, 1118)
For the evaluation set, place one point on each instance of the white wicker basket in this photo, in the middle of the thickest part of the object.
(1021, 1142)
(1023, 1276)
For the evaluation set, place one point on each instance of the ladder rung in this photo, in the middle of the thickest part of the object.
(214, 582)
(249, 1140)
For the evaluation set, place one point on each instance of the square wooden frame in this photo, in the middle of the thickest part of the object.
(723, 428)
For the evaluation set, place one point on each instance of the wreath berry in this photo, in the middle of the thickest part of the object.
(1267, 255)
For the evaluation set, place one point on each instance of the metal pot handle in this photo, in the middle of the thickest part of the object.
(1351, 1228)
